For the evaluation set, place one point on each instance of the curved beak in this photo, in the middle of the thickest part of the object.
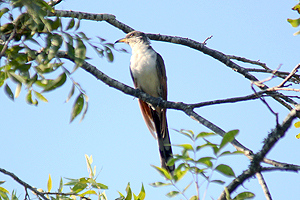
(121, 40)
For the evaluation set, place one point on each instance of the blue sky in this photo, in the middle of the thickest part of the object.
(38, 141)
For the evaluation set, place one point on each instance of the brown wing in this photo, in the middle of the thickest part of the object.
(163, 137)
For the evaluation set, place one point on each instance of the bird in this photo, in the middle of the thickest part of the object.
(148, 73)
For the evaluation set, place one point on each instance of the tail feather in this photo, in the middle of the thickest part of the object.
(164, 143)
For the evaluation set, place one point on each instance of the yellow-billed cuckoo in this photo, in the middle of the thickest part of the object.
(148, 73)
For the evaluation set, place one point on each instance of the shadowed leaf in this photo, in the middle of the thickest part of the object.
(77, 107)
(8, 92)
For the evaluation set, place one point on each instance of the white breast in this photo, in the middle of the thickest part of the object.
(143, 69)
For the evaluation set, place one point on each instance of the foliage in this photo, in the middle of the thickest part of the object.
(199, 167)
(295, 22)
(30, 43)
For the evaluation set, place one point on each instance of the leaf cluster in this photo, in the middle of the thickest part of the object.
(189, 162)
(295, 22)
(29, 45)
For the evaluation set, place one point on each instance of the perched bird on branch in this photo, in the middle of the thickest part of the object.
(148, 73)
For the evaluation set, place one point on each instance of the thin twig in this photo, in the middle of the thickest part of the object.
(265, 102)
(246, 60)
(280, 74)
(294, 71)
(11, 37)
(204, 42)
(264, 186)
(54, 2)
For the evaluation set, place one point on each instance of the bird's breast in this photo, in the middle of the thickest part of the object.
(144, 71)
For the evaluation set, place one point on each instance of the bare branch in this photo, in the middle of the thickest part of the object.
(265, 102)
(26, 185)
(288, 168)
(276, 135)
(282, 99)
(295, 78)
(264, 186)
(230, 100)
(109, 18)
(294, 71)
(246, 60)
(271, 140)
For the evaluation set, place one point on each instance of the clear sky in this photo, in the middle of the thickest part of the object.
(38, 141)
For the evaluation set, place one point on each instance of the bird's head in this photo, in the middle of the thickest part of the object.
(135, 37)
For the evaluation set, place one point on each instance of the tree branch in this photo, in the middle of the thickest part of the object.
(26, 185)
(186, 108)
(269, 142)
(111, 19)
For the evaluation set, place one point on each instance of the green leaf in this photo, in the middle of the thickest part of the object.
(88, 192)
(244, 195)
(228, 137)
(159, 184)
(109, 54)
(29, 97)
(172, 194)
(294, 22)
(1, 182)
(85, 108)
(72, 181)
(40, 96)
(71, 24)
(204, 134)
(2, 189)
(49, 183)
(9, 92)
(4, 195)
(188, 133)
(195, 197)
(218, 181)
(80, 52)
(188, 147)
(16, 78)
(78, 187)
(129, 193)
(225, 170)
(179, 174)
(163, 172)
(142, 193)
(3, 11)
(102, 186)
(56, 42)
(77, 107)
(61, 185)
(59, 81)
(206, 161)
(208, 144)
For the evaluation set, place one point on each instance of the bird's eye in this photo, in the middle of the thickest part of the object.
(131, 35)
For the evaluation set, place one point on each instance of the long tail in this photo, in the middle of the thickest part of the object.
(163, 139)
